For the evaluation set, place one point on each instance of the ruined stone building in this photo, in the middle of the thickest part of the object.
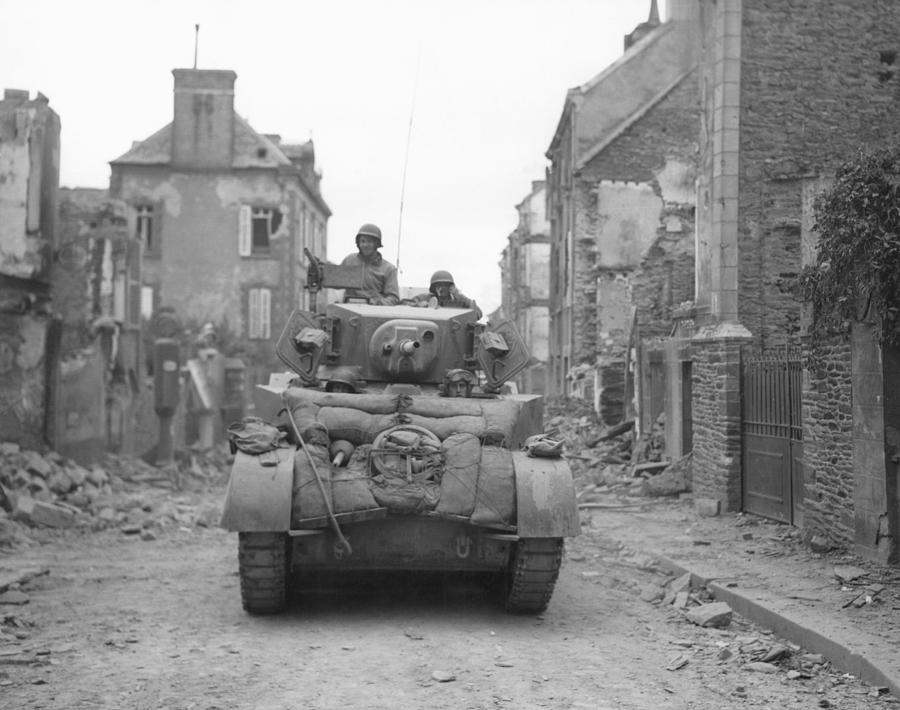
(525, 284)
(224, 214)
(96, 288)
(69, 295)
(621, 208)
(29, 184)
(788, 91)
(681, 199)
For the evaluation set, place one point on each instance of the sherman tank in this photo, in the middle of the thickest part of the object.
(394, 444)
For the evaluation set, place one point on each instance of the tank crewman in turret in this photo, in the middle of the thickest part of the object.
(443, 293)
(379, 276)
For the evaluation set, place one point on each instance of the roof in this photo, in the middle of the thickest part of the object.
(601, 109)
(251, 149)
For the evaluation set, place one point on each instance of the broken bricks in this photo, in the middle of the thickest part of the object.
(714, 614)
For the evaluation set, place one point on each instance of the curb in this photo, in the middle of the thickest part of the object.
(791, 629)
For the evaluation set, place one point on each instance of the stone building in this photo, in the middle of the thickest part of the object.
(525, 284)
(621, 209)
(788, 91)
(29, 336)
(224, 214)
(96, 289)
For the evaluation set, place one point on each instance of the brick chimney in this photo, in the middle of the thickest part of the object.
(203, 125)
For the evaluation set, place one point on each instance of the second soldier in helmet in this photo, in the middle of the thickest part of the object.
(442, 293)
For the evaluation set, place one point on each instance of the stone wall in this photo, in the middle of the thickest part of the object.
(716, 389)
(819, 78)
(827, 443)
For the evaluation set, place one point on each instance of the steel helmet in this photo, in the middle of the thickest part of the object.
(440, 277)
(369, 230)
(341, 376)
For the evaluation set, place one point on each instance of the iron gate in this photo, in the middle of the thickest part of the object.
(772, 434)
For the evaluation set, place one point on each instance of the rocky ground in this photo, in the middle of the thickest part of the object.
(91, 559)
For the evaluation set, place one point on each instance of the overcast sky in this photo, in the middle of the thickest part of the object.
(482, 80)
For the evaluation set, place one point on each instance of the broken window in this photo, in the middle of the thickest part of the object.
(259, 311)
(256, 226)
(144, 228)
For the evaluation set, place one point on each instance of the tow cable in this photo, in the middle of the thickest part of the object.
(342, 546)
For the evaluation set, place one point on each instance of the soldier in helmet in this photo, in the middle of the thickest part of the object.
(379, 276)
(442, 292)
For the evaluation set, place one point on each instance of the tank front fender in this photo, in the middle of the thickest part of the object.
(545, 497)
(258, 498)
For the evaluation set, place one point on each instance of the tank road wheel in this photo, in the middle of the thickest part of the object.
(264, 562)
(533, 569)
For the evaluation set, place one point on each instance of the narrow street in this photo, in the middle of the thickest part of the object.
(115, 619)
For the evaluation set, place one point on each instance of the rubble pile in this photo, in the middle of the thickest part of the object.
(612, 460)
(49, 491)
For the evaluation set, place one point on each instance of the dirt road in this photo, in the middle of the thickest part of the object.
(124, 622)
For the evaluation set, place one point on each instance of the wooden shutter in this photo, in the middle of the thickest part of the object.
(265, 312)
(245, 242)
(253, 314)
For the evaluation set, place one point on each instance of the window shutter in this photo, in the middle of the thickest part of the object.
(265, 312)
(244, 231)
(253, 314)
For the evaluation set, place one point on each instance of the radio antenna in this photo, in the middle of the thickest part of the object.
(412, 110)
(196, 42)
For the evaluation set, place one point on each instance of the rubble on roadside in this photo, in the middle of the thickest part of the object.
(612, 459)
(45, 490)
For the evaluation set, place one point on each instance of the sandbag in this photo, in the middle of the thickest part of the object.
(444, 407)
(447, 426)
(402, 498)
(350, 491)
(500, 418)
(307, 500)
(305, 416)
(354, 425)
(495, 498)
(350, 486)
(462, 461)
(371, 403)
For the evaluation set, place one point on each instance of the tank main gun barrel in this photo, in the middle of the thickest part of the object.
(408, 347)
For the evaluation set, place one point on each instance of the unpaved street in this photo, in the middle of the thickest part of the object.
(121, 622)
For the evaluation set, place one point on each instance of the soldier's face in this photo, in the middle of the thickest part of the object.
(443, 291)
(367, 245)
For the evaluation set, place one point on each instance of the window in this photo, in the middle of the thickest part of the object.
(259, 313)
(144, 228)
(256, 225)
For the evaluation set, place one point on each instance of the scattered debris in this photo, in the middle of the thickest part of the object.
(715, 614)
(51, 492)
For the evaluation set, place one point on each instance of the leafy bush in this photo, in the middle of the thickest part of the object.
(857, 271)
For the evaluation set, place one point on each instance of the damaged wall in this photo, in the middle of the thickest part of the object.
(29, 180)
(634, 255)
(525, 285)
(96, 294)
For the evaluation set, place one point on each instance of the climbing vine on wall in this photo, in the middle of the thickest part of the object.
(856, 275)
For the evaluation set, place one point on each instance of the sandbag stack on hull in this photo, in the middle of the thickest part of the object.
(444, 456)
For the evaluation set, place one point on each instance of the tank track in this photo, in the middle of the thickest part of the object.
(263, 560)
(534, 567)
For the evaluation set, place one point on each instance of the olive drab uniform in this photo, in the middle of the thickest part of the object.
(379, 277)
